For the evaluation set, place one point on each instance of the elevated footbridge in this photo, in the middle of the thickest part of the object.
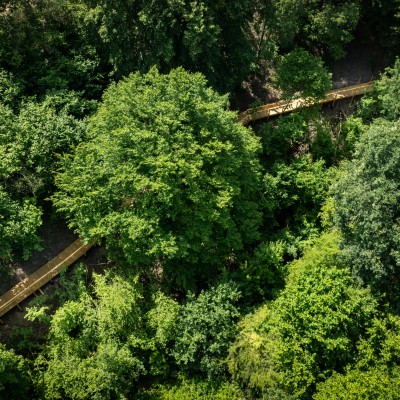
(43, 275)
(284, 107)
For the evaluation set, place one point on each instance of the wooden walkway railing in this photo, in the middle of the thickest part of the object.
(42, 275)
(282, 107)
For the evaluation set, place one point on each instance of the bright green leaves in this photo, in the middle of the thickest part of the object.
(101, 344)
(383, 101)
(168, 175)
(300, 74)
(376, 383)
(376, 374)
(193, 389)
(310, 330)
(30, 143)
(9, 150)
(90, 354)
(388, 92)
(9, 88)
(42, 135)
(14, 376)
(19, 222)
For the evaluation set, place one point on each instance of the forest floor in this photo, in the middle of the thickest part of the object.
(363, 62)
(55, 237)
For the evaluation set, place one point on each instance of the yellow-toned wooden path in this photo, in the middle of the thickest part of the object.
(77, 249)
(42, 275)
(283, 107)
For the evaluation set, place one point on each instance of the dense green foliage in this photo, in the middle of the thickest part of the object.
(90, 341)
(99, 345)
(47, 46)
(367, 198)
(202, 35)
(234, 263)
(376, 372)
(378, 384)
(167, 177)
(81, 45)
(383, 101)
(310, 330)
(194, 390)
(15, 382)
(300, 74)
(206, 326)
(18, 226)
(296, 192)
(31, 141)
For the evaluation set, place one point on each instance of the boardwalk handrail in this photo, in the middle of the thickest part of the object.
(282, 107)
(42, 275)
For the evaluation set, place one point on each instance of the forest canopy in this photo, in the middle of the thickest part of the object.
(230, 262)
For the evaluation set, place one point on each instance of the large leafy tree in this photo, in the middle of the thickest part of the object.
(168, 177)
(367, 207)
(309, 331)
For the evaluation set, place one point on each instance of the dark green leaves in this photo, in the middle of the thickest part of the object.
(206, 327)
(14, 376)
(367, 207)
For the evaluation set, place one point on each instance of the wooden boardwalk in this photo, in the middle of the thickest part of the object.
(283, 107)
(42, 275)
